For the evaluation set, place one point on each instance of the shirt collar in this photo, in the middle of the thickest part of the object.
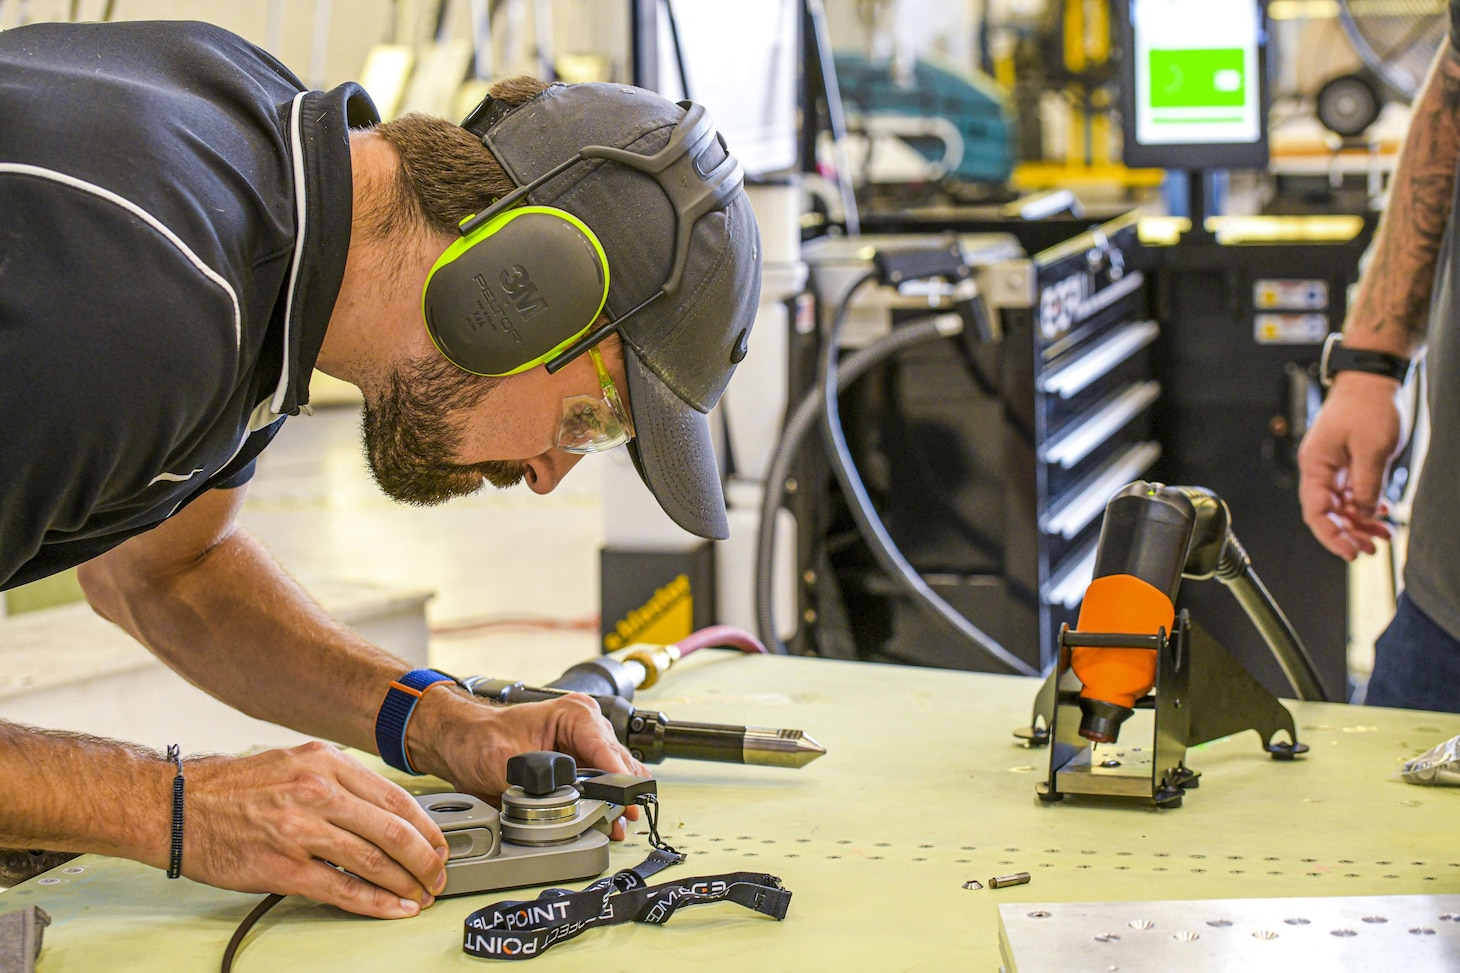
(318, 134)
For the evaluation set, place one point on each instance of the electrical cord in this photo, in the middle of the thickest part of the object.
(802, 420)
(268, 902)
(812, 407)
(930, 483)
(678, 49)
(883, 547)
(815, 15)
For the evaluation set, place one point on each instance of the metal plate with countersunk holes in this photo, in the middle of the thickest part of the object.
(1378, 933)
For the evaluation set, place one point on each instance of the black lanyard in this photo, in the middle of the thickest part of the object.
(521, 930)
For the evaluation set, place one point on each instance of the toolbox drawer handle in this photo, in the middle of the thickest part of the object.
(1087, 500)
(1074, 445)
(1067, 588)
(1101, 358)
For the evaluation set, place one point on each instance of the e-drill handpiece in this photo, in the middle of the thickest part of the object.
(656, 736)
(651, 736)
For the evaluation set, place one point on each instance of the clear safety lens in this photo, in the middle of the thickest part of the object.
(591, 424)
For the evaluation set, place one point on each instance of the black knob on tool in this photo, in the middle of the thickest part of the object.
(541, 771)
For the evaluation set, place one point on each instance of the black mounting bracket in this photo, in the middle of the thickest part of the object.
(1201, 694)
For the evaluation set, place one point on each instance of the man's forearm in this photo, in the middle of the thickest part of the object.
(1391, 310)
(237, 626)
(69, 792)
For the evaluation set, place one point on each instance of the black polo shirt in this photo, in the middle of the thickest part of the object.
(174, 220)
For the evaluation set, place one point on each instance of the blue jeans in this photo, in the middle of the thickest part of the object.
(1416, 664)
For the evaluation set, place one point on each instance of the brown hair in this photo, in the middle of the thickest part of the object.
(446, 174)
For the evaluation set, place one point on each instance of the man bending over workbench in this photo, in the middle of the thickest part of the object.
(185, 233)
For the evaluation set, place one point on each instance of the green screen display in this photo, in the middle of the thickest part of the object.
(1198, 78)
(1194, 74)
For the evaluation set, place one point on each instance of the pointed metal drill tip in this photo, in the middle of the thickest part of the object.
(779, 748)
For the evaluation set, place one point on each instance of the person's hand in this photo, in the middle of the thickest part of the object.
(279, 821)
(467, 741)
(1343, 463)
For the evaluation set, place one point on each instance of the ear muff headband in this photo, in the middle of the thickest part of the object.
(516, 291)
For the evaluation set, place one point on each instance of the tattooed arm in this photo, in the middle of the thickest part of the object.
(1344, 459)
(1391, 310)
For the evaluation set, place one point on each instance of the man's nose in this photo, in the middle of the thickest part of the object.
(546, 470)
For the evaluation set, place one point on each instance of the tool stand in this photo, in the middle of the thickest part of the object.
(1201, 694)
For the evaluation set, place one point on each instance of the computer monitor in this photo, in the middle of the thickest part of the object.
(1193, 79)
(744, 68)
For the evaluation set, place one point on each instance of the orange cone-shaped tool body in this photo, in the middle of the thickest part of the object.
(1120, 603)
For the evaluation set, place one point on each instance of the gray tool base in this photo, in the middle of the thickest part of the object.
(518, 866)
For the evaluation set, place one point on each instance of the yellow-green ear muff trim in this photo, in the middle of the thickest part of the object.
(515, 292)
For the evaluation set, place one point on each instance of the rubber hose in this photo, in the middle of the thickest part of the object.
(720, 636)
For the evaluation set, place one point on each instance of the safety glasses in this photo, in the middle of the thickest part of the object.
(593, 423)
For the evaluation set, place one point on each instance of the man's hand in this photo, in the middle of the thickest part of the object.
(468, 741)
(1343, 463)
(279, 821)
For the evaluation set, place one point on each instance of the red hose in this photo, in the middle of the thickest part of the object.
(720, 636)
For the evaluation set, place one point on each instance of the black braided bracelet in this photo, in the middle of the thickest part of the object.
(174, 865)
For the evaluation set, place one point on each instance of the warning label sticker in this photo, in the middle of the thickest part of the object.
(1290, 329)
(1289, 294)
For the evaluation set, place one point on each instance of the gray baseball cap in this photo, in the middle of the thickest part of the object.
(666, 200)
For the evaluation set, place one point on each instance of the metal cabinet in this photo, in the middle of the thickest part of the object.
(1078, 335)
(1245, 318)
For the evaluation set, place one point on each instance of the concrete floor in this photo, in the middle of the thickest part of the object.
(515, 574)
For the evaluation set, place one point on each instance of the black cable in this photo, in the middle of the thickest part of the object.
(883, 547)
(1235, 571)
(835, 117)
(801, 422)
(441, 33)
(974, 370)
(945, 499)
(678, 49)
(269, 901)
(929, 482)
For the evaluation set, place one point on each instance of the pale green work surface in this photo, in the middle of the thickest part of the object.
(923, 788)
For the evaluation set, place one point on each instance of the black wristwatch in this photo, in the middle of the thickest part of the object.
(1337, 358)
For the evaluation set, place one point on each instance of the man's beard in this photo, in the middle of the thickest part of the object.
(412, 433)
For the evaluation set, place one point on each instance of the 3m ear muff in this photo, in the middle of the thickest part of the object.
(525, 285)
(518, 288)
